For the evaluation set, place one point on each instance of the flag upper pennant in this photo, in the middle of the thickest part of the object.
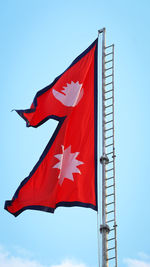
(66, 173)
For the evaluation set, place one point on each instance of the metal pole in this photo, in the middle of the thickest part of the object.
(104, 229)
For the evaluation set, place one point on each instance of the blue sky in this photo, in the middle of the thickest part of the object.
(39, 39)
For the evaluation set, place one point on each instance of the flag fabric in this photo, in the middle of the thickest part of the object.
(66, 173)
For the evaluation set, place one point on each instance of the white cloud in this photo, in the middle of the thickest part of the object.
(144, 256)
(7, 260)
(136, 263)
(69, 263)
(21, 252)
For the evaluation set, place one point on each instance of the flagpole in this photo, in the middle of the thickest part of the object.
(104, 228)
(99, 149)
(106, 190)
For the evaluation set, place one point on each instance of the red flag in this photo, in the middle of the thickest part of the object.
(66, 173)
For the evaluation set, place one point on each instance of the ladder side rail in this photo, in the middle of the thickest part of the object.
(114, 171)
(112, 247)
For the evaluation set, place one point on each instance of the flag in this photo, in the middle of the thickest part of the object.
(66, 173)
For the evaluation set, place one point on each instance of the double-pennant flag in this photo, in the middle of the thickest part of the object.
(66, 173)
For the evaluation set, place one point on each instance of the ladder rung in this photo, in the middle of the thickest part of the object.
(110, 75)
(108, 46)
(110, 195)
(108, 106)
(108, 130)
(108, 91)
(110, 178)
(108, 61)
(108, 54)
(108, 68)
(111, 258)
(109, 222)
(110, 202)
(111, 230)
(108, 121)
(108, 98)
(109, 187)
(110, 161)
(108, 83)
(111, 211)
(108, 113)
(109, 170)
(109, 145)
(108, 138)
(111, 248)
(110, 239)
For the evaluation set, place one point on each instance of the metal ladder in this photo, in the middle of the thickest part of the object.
(109, 143)
(108, 226)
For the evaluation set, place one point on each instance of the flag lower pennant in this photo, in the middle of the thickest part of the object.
(66, 173)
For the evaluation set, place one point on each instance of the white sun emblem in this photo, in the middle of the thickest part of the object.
(67, 164)
(70, 95)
